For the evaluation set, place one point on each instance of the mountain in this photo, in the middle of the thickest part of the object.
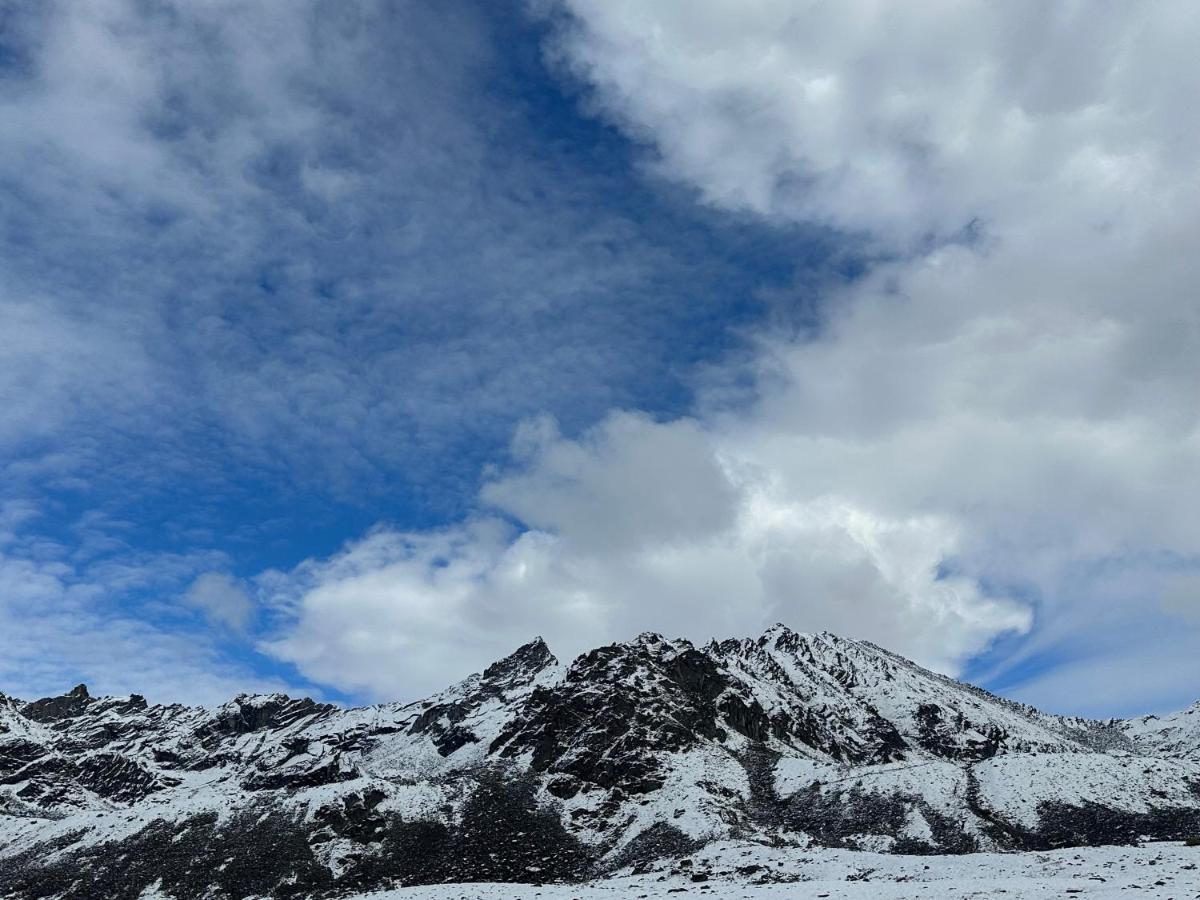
(534, 771)
(1176, 735)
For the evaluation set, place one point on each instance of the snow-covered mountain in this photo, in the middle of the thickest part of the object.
(1175, 735)
(535, 771)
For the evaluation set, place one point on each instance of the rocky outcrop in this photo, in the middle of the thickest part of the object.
(53, 709)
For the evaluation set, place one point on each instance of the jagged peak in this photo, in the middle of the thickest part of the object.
(780, 631)
(650, 638)
(247, 699)
(653, 641)
(527, 660)
(777, 629)
(780, 637)
(49, 709)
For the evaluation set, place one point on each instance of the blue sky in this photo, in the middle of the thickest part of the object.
(344, 346)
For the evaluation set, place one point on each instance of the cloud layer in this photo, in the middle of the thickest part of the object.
(74, 610)
(317, 243)
(993, 433)
(906, 123)
(346, 250)
(636, 526)
(269, 273)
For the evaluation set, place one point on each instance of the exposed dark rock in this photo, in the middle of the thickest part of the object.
(51, 709)
(258, 853)
(834, 816)
(117, 777)
(246, 714)
(1095, 824)
(440, 722)
(520, 666)
(16, 754)
(949, 734)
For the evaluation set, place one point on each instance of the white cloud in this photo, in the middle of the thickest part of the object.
(636, 526)
(900, 121)
(1123, 680)
(624, 482)
(1036, 383)
(248, 248)
(1011, 399)
(1000, 421)
(64, 620)
(222, 599)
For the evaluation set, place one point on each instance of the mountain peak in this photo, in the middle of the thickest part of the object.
(780, 631)
(649, 639)
(522, 664)
(51, 709)
(777, 630)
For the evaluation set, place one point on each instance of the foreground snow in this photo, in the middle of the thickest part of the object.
(758, 873)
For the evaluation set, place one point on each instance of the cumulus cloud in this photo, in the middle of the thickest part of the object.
(905, 123)
(995, 431)
(1027, 366)
(637, 525)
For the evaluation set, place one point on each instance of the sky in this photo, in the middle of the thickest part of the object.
(345, 347)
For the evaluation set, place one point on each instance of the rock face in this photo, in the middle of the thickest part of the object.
(533, 771)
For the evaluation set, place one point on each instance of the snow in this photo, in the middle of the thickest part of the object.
(939, 783)
(1014, 786)
(688, 800)
(1167, 870)
(1177, 734)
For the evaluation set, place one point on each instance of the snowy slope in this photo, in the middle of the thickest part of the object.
(646, 750)
(1174, 735)
(866, 704)
(734, 872)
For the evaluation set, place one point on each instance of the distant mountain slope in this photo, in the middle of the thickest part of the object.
(1175, 735)
(533, 771)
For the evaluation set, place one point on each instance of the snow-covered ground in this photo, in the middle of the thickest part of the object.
(743, 872)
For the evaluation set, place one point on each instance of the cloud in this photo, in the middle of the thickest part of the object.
(1027, 364)
(637, 525)
(63, 621)
(901, 122)
(1181, 596)
(627, 480)
(993, 432)
(1123, 680)
(222, 599)
(322, 244)
(268, 270)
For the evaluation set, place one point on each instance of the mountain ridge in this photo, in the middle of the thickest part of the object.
(640, 749)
